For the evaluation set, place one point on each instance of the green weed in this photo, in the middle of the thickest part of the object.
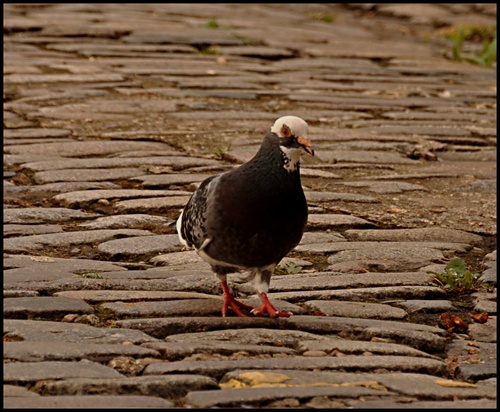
(212, 23)
(90, 275)
(488, 54)
(287, 269)
(220, 151)
(456, 277)
(326, 17)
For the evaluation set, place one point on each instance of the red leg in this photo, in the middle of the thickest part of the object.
(230, 301)
(267, 307)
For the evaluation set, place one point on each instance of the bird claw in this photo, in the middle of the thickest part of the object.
(267, 307)
(274, 314)
(235, 305)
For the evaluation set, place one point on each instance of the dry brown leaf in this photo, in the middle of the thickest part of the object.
(453, 323)
(480, 317)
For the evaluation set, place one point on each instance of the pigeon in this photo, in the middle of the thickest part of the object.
(249, 218)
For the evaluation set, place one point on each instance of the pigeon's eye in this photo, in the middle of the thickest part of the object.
(285, 131)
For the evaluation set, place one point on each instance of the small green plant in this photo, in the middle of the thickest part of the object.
(488, 54)
(90, 275)
(326, 17)
(210, 50)
(287, 269)
(456, 277)
(220, 151)
(212, 23)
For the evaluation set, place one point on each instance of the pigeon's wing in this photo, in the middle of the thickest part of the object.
(192, 224)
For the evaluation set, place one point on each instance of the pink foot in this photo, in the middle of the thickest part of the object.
(267, 307)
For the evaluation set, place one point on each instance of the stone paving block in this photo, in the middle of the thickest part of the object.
(318, 197)
(362, 293)
(334, 345)
(186, 307)
(56, 78)
(43, 306)
(235, 398)
(356, 309)
(230, 327)
(126, 221)
(428, 234)
(177, 351)
(35, 132)
(29, 372)
(426, 306)
(171, 179)
(402, 245)
(39, 242)
(44, 215)
(336, 221)
(170, 387)
(87, 401)
(422, 337)
(151, 205)
(96, 296)
(178, 162)
(359, 363)
(462, 404)
(136, 246)
(85, 198)
(334, 156)
(332, 280)
(30, 330)
(25, 230)
(12, 391)
(38, 351)
(406, 258)
(77, 175)
(386, 187)
(85, 148)
(22, 268)
(408, 384)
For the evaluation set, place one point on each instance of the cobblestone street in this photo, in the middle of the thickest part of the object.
(115, 113)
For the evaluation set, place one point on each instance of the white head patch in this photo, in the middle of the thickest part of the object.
(296, 125)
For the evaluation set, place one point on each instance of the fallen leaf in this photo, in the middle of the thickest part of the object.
(452, 364)
(475, 360)
(454, 384)
(480, 317)
(472, 351)
(258, 378)
(452, 323)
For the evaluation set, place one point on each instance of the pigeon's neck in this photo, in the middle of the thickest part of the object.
(291, 158)
(281, 157)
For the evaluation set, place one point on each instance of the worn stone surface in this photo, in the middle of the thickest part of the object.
(114, 114)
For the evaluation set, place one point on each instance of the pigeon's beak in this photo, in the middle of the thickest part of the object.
(306, 144)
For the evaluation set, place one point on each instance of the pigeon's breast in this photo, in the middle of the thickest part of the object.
(254, 221)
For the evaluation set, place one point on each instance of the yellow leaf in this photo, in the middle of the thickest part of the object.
(257, 378)
(454, 384)
(232, 384)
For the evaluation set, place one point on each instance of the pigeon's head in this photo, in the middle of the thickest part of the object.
(292, 134)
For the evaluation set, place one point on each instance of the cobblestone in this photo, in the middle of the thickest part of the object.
(114, 114)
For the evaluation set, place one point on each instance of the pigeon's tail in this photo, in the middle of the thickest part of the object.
(173, 224)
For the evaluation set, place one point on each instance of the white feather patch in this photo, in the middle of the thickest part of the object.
(291, 157)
